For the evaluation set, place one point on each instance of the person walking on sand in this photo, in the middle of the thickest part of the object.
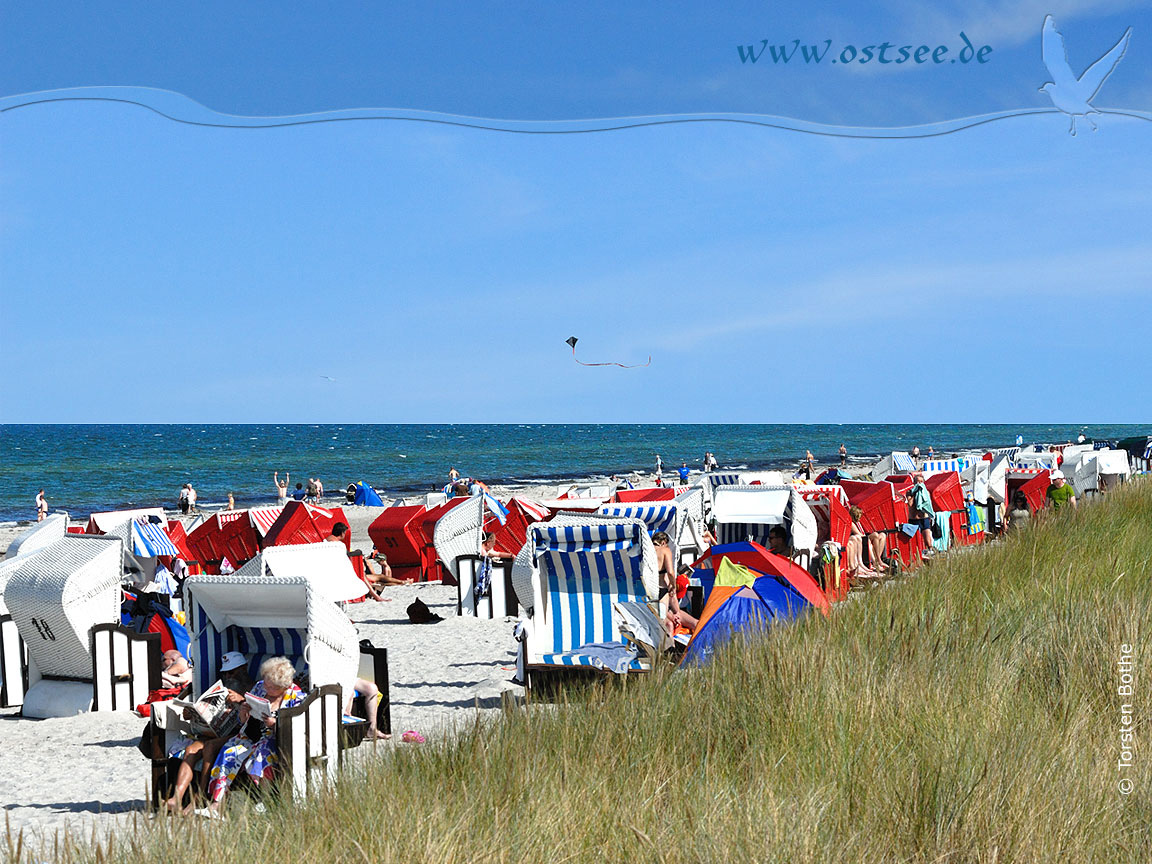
(281, 486)
(184, 499)
(843, 456)
(683, 472)
(916, 454)
(191, 499)
(319, 491)
(41, 506)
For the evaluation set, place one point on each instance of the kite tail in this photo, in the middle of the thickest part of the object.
(621, 365)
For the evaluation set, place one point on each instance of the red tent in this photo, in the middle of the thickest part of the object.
(756, 557)
(945, 491)
(656, 493)
(300, 523)
(396, 533)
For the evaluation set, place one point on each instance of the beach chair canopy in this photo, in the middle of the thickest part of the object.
(578, 572)
(895, 462)
(144, 539)
(323, 565)
(264, 618)
(829, 504)
(656, 493)
(101, 523)
(945, 491)
(300, 523)
(458, 532)
(749, 512)
(58, 594)
(39, 536)
(1085, 469)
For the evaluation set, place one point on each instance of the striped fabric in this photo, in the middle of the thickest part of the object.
(575, 658)
(1010, 452)
(810, 493)
(938, 466)
(902, 463)
(150, 540)
(738, 532)
(585, 569)
(658, 517)
(260, 643)
(226, 516)
(534, 508)
(1027, 470)
(715, 480)
(263, 518)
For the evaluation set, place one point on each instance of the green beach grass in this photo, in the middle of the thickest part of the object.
(968, 713)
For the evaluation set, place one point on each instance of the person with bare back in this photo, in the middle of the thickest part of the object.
(281, 486)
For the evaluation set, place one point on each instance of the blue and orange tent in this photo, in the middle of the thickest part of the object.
(755, 557)
(742, 602)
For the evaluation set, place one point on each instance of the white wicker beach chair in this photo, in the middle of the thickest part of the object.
(13, 651)
(324, 565)
(458, 532)
(37, 537)
(264, 617)
(55, 597)
(580, 571)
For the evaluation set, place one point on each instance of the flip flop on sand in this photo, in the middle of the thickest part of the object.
(412, 737)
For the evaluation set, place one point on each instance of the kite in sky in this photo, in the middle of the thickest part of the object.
(572, 340)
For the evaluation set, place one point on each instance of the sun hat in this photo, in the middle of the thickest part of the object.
(1056, 475)
(232, 660)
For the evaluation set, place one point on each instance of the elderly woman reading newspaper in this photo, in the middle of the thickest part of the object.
(214, 717)
(255, 755)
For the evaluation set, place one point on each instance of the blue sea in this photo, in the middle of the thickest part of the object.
(104, 467)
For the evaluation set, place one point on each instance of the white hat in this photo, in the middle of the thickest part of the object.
(232, 660)
(1056, 475)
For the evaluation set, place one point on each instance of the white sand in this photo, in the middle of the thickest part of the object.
(85, 771)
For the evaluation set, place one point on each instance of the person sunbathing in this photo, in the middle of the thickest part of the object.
(378, 573)
(233, 675)
(371, 694)
(670, 610)
(174, 669)
(255, 756)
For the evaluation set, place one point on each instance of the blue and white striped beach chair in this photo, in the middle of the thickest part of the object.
(579, 571)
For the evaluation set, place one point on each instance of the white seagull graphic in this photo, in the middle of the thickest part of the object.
(1070, 94)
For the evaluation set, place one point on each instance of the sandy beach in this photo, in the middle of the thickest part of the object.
(85, 772)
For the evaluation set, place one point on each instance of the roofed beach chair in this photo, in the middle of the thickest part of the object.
(458, 532)
(749, 512)
(37, 537)
(55, 597)
(269, 616)
(325, 566)
(579, 567)
(13, 651)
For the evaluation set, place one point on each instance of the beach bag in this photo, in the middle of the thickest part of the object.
(419, 613)
(937, 531)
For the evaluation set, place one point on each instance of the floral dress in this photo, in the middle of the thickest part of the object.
(256, 757)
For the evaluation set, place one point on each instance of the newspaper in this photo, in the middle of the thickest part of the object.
(210, 716)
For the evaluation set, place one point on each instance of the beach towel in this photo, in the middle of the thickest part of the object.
(483, 578)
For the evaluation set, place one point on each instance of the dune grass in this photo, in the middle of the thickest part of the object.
(966, 714)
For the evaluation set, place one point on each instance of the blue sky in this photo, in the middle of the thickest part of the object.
(151, 271)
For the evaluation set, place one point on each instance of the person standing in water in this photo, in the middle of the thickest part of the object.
(843, 456)
(41, 506)
(281, 486)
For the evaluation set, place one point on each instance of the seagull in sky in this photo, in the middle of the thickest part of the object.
(1070, 94)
